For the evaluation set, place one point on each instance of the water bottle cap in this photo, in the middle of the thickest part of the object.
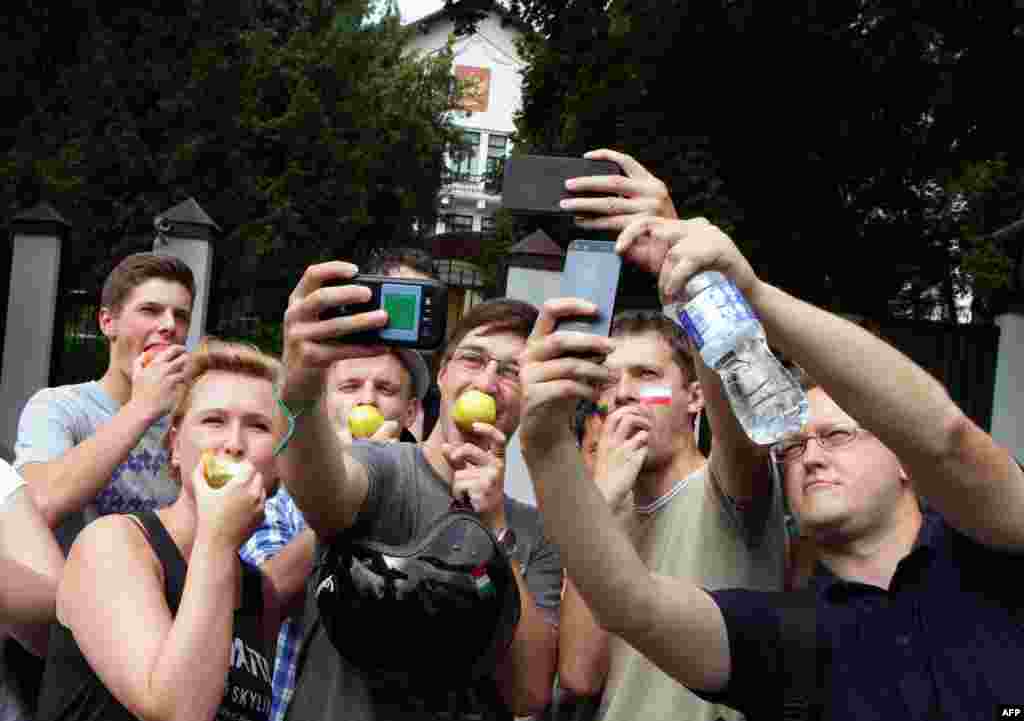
(701, 281)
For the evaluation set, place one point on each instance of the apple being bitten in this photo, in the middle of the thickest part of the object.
(219, 470)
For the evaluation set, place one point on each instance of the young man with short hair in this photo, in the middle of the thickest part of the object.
(97, 447)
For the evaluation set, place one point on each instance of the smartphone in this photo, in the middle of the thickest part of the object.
(534, 184)
(417, 311)
(591, 272)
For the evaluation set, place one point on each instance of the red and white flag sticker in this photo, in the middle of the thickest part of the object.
(656, 395)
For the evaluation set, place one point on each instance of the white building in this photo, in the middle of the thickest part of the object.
(470, 196)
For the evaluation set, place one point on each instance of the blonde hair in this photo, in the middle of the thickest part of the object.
(214, 354)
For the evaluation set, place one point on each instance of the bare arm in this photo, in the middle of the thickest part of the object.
(31, 567)
(738, 465)
(650, 612)
(583, 646)
(112, 590)
(68, 483)
(970, 479)
(288, 571)
(328, 485)
(526, 674)
(973, 482)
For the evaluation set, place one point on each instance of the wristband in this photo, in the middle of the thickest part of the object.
(291, 416)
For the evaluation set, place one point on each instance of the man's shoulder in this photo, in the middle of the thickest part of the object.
(77, 394)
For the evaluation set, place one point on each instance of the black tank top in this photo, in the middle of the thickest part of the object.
(72, 692)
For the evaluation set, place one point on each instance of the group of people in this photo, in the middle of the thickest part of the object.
(653, 582)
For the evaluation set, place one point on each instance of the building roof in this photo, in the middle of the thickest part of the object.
(189, 211)
(41, 213)
(466, 7)
(536, 243)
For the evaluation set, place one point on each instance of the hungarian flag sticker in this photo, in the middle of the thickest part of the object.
(484, 587)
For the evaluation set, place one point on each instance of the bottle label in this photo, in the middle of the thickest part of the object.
(720, 305)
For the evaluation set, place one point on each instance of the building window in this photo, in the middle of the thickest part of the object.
(456, 223)
(462, 157)
(488, 225)
(497, 151)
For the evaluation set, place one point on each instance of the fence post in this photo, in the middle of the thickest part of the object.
(187, 232)
(38, 235)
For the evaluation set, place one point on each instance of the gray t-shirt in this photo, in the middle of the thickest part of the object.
(405, 496)
(55, 420)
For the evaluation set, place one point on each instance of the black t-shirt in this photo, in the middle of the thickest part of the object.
(71, 691)
(945, 640)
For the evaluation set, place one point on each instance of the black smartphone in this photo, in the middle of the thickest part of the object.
(534, 184)
(417, 311)
(591, 272)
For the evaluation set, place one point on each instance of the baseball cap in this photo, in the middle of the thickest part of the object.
(417, 367)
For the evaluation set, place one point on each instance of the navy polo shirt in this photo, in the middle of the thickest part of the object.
(945, 641)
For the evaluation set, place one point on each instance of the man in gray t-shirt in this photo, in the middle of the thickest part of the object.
(392, 493)
(406, 495)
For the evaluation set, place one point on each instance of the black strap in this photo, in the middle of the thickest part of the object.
(169, 555)
(798, 628)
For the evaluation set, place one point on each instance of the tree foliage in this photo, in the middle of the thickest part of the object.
(859, 151)
(305, 129)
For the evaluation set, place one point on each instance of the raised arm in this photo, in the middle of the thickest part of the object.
(963, 472)
(174, 667)
(63, 476)
(648, 611)
(328, 485)
(584, 646)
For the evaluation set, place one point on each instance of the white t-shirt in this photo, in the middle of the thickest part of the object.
(10, 482)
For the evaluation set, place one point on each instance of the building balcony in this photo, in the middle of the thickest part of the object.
(487, 185)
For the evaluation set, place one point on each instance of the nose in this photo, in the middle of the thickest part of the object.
(367, 395)
(814, 453)
(487, 378)
(625, 392)
(167, 321)
(234, 440)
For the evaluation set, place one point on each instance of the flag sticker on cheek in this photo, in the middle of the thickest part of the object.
(656, 395)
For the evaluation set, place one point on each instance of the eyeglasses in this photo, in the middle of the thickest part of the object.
(792, 449)
(475, 360)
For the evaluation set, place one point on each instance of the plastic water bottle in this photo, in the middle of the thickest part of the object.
(767, 401)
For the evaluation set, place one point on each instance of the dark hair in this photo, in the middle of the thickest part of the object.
(136, 269)
(388, 261)
(584, 409)
(635, 322)
(502, 314)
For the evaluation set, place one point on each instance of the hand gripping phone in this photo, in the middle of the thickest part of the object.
(417, 312)
(591, 272)
(534, 184)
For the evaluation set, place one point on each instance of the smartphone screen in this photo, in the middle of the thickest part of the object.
(402, 302)
(591, 272)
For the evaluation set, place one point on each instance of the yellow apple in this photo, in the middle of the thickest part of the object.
(218, 470)
(364, 420)
(474, 407)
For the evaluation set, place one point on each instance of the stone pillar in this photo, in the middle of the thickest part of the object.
(1008, 395)
(532, 271)
(38, 235)
(187, 232)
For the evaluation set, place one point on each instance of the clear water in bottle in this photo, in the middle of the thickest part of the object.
(768, 403)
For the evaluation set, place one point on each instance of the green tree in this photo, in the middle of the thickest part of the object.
(835, 141)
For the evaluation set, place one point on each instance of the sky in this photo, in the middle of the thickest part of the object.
(415, 9)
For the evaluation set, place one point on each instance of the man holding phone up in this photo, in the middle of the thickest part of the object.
(716, 521)
(393, 492)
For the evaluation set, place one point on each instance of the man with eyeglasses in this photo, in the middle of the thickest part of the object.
(393, 492)
(908, 615)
